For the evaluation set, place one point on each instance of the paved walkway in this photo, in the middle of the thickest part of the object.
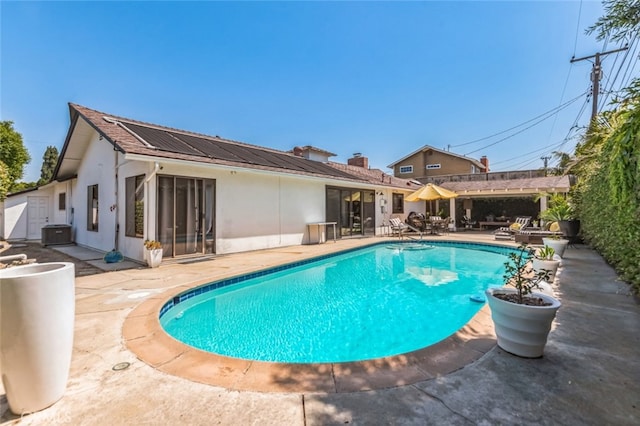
(590, 373)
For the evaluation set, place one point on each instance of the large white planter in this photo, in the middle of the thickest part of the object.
(154, 257)
(521, 329)
(37, 310)
(559, 245)
(550, 265)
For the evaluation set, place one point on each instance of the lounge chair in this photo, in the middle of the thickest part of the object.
(508, 232)
(400, 228)
(535, 236)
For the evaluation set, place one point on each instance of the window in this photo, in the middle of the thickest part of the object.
(433, 166)
(406, 169)
(92, 208)
(134, 208)
(397, 203)
(62, 201)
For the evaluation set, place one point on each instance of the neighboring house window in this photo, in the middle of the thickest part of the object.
(134, 209)
(92, 208)
(62, 201)
(406, 169)
(433, 166)
(397, 204)
(473, 169)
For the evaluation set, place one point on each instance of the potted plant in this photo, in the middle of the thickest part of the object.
(522, 318)
(543, 260)
(561, 211)
(556, 243)
(153, 253)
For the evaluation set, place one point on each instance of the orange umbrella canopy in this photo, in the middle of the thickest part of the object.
(431, 192)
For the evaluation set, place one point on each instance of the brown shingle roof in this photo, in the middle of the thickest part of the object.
(377, 176)
(136, 137)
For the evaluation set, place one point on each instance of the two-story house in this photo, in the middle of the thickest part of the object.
(429, 161)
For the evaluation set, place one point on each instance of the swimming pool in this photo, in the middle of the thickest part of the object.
(377, 301)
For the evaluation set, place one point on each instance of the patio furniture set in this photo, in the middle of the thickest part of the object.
(418, 223)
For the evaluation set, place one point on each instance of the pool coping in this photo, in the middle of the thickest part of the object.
(144, 336)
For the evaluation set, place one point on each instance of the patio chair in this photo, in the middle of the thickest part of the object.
(400, 228)
(467, 223)
(417, 220)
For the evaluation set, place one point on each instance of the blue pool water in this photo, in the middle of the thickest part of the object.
(377, 301)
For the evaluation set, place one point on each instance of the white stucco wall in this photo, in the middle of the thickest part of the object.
(262, 211)
(16, 213)
(255, 210)
(97, 167)
(15, 217)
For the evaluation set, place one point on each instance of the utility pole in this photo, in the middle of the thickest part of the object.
(545, 159)
(596, 74)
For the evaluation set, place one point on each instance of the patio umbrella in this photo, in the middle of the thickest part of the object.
(431, 192)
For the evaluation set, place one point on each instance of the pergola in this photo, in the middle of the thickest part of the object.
(495, 188)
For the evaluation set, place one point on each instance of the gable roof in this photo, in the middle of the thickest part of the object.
(429, 147)
(136, 137)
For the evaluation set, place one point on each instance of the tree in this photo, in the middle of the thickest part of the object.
(13, 153)
(5, 183)
(49, 161)
(621, 21)
(563, 160)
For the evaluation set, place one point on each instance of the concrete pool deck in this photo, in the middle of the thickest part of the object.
(590, 373)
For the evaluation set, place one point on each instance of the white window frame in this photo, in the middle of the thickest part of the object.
(433, 166)
(405, 169)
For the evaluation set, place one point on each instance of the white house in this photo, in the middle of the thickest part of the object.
(120, 181)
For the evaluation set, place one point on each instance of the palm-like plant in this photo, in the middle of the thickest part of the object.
(559, 209)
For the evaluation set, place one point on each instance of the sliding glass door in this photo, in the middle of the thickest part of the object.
(352, 209)
(185, 215)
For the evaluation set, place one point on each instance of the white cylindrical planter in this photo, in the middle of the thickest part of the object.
(559, 245)
(521, 329)
(550, 265)
(37, 310)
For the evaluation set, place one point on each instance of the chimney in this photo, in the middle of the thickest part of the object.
(358, 160)
(485, 162)
(297, 151)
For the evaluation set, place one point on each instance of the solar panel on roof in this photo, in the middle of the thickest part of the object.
(167, 140)
(162, 140)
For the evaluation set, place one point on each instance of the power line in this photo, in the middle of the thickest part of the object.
(625, 84)
(615, 78)
(555, 119)
(566, 81)
(526, 128)
(556, 109)
(596, 73)
(575, 42)
(545, 149)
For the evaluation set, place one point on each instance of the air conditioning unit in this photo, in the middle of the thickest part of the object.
(56, 234)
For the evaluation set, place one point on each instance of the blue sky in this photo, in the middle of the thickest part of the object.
(380, 78)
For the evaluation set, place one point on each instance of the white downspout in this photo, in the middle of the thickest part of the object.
(115, 243)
